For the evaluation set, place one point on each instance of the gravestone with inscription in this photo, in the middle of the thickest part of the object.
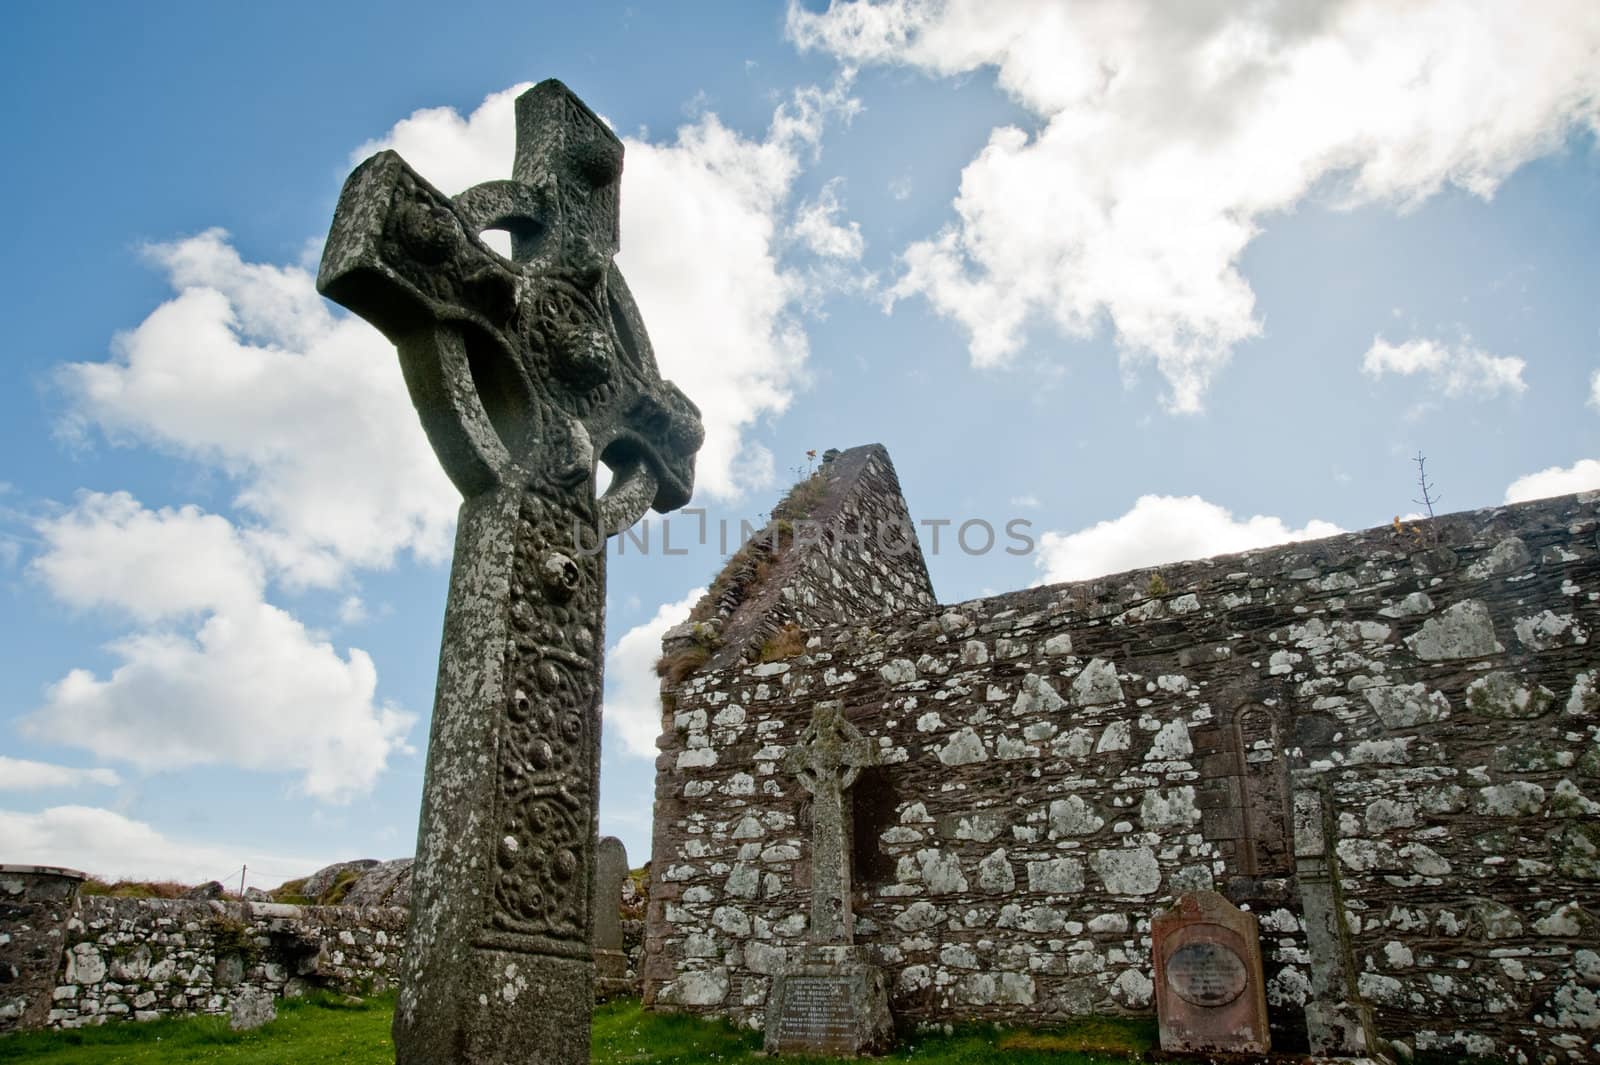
(831, 999)
(610, 962)
(1210, 995)
(525, 371)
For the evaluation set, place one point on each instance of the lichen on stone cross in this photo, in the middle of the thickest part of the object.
(526, 372)
(828, 757)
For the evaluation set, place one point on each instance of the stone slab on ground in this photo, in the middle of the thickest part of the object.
(250, 1009)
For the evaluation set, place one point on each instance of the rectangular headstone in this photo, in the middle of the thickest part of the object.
(610, 961)
(1210, 991)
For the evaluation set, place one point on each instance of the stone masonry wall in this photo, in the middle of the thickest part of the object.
(147, 958)
(68, 960)
(1060, 762)
(841, 546)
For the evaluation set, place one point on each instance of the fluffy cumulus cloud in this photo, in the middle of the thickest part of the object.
(1455, 369)
(1167, 134)
(111, 846)
(703, 217)
(817, 225)
(20, 774)
(633, 695)
(246, 370)
(1581, 476)
(1162, 529)
(214, 674)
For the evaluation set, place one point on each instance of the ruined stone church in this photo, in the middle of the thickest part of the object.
(1386, 745)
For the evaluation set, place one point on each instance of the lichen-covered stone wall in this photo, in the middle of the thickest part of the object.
(148, 958)
(840, 546)
(1060, 762)
(67, 960)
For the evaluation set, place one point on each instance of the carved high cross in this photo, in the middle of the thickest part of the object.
(525, 372)
(827, 759)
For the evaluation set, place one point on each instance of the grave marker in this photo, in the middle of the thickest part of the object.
(525, 372)
(831, 999)
(1210, 992)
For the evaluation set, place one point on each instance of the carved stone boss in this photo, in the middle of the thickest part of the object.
(525, 372)
(830, 755)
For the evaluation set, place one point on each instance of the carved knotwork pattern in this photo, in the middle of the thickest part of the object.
(550, 729)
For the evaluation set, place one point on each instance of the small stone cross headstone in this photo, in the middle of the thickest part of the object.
(610, 962)
(831, 999)
(830, 755)
(525, 371)
(1210, 991)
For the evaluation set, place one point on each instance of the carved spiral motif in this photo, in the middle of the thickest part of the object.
(547, 784)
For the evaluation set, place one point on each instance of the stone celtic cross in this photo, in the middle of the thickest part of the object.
(829, 756)
(525, 372)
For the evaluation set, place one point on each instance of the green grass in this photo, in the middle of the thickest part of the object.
(313, 1031)
(317, 1031)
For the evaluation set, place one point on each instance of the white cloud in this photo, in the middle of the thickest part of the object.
(1458, 370)
(217, 675)
(1169, 134)
(1030, 501)
(19, 774)
(700, 221)
(1162, 529)
(353, 610)
(108, 551)
(1581, 476)
(246, 370)
(110, 846)
(816, 225)
(633, 698)
(1594, 389)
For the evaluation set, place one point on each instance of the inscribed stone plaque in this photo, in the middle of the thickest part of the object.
(816, 1011)
(1206, 974)
(1210, 994)
(830, 1001)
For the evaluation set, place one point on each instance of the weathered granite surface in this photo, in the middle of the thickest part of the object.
(1058, 763)
(526, 372)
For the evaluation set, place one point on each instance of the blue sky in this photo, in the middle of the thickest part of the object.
(1161, 284)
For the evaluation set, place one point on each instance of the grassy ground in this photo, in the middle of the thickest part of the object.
(320, 1031)
(312, 1031)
